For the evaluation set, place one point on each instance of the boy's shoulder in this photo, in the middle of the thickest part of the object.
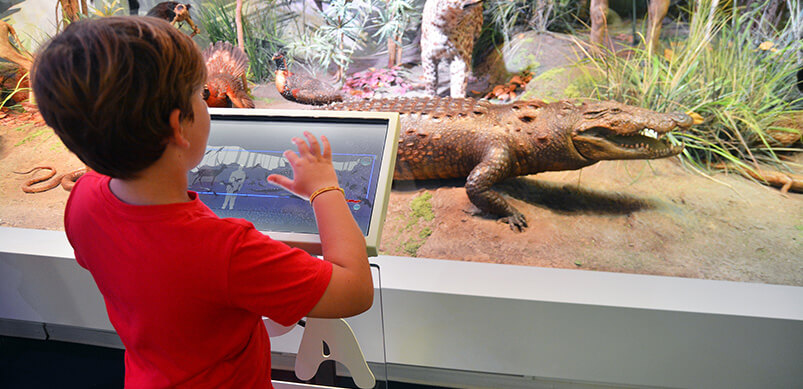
(236, 223)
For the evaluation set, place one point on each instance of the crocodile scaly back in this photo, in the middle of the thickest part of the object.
(433, 106)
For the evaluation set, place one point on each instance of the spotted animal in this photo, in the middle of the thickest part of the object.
(448, 31)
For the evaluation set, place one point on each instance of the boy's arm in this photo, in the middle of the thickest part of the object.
(351, 289)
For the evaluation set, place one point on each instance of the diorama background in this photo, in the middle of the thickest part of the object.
(646, 217)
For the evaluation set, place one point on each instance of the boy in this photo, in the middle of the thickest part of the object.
(184, 289)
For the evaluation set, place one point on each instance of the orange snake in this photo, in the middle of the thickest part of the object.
(66, 180)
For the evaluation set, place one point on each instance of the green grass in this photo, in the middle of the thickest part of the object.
(420, 208)
(31, 137)
(412, 245)
(720, 72)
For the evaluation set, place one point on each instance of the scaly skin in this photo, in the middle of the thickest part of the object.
(488, 143)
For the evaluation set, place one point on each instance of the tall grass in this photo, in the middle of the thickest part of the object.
(263, 30)
(723, 71)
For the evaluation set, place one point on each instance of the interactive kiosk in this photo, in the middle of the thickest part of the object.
(245, 146)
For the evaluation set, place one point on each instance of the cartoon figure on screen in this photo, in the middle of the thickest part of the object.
(233, 186)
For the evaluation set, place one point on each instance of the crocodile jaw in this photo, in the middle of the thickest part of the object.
(600, 144)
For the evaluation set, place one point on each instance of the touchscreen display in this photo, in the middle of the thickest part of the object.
(243, 151)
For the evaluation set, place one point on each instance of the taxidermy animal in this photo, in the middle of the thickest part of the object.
(488, 143)
(174, 13)
(66, 180)
(599, 26)
(449, 29)
(225, 80)
(300, 89)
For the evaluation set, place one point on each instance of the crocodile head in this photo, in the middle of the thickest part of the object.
(610, 130)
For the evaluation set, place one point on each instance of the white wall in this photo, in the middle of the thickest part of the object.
(34, 21)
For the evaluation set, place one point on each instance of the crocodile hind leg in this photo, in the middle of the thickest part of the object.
(494, 168)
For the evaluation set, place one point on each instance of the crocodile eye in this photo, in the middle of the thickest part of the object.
(594, 114)
(615, 110)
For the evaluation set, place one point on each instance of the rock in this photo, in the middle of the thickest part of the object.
(550, 57)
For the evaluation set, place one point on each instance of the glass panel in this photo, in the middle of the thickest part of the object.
(661, 216)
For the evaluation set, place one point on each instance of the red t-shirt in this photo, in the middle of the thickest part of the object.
(186, 290)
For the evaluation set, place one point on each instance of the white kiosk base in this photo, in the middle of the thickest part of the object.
(460, 324)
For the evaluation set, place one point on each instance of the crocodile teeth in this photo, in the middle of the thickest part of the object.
(649, 132)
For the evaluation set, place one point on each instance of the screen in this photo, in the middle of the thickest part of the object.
(243, 151)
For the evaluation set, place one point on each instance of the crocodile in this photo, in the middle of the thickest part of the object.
(486, 143)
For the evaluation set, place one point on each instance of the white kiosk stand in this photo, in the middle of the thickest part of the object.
(327, 340)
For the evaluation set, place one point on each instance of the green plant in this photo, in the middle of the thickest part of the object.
(109, 8)
(720, 72)
(18, 88)
(422, 208)
(337, 38)
(263, 30)
(411, 246)
(392, 21)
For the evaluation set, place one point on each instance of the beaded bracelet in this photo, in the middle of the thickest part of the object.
(325, 189)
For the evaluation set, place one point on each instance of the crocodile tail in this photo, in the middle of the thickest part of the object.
(223, 57)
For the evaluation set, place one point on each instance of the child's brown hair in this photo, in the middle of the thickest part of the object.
(107, 87)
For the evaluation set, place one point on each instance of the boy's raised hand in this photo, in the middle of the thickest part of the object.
(312, 168)
(350, 290)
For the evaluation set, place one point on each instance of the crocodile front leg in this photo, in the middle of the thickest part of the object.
(495, 167)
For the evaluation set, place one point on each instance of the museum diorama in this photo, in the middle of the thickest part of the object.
(540, 147)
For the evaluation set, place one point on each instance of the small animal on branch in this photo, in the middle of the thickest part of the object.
(300, 89)
(225, 80)
(174, 13)
(449, 29)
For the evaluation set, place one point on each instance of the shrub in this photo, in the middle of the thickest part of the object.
(738, 84)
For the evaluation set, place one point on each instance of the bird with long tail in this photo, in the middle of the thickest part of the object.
(300, 89)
